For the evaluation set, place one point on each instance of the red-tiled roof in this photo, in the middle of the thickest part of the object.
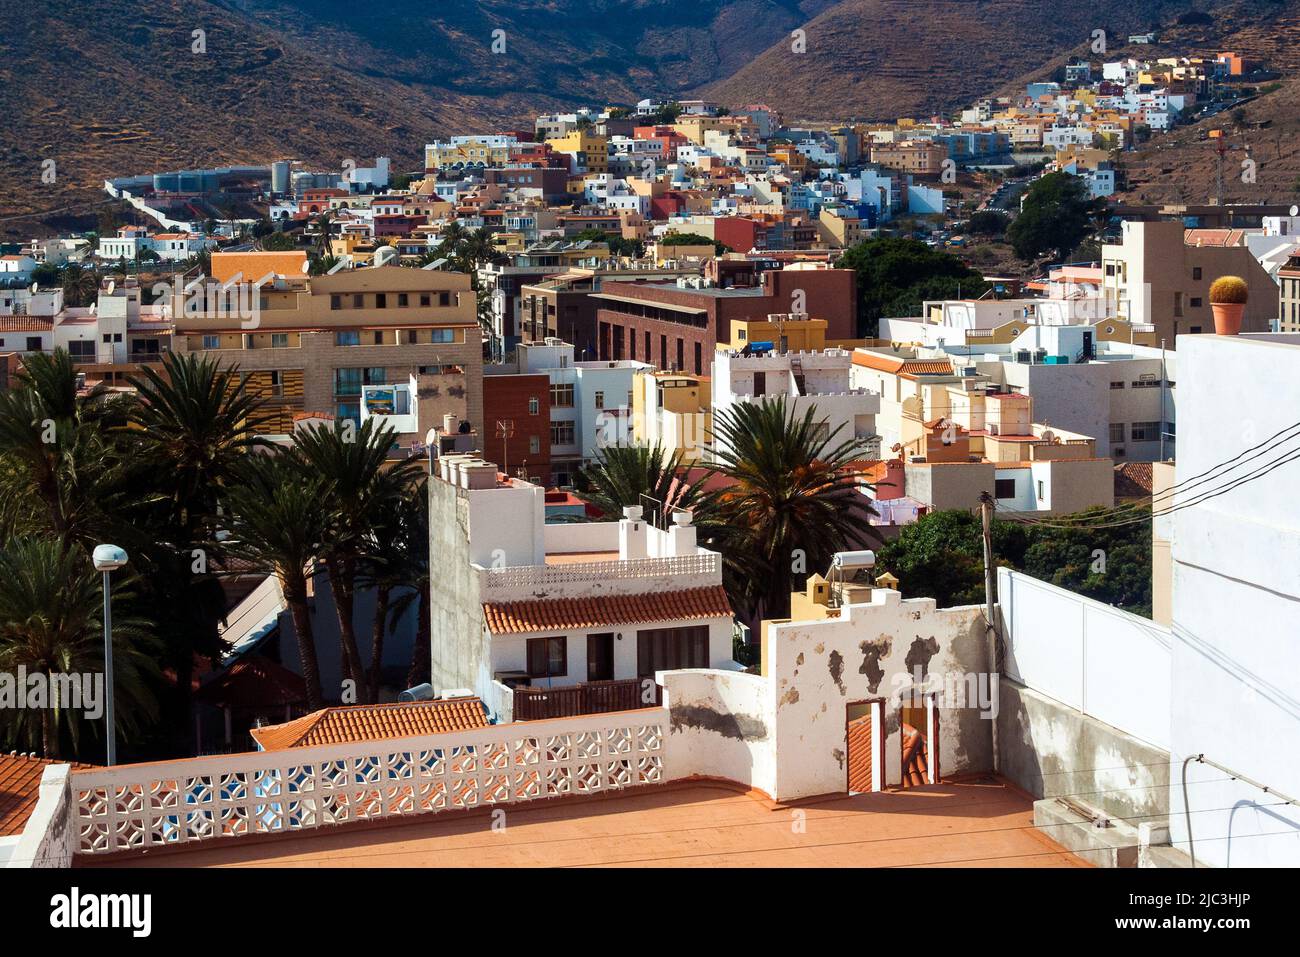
(373, 723)
(25, 324)
(20, 779)
(1133, 480)
(900, 366)
(524, 617)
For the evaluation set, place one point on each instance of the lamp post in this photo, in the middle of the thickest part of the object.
(107, 559)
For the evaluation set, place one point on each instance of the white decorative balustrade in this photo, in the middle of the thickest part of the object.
(225, 797)
(609, 577)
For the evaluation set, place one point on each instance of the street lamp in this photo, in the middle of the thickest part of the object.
(107, 559)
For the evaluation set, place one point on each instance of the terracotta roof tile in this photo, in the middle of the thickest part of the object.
(1133, 480)
(20, 779)
(26, 324)
(525, 617)
(373, 723)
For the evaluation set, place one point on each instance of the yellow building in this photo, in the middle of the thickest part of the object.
(786, 333)
(590, 152)
(674, 411)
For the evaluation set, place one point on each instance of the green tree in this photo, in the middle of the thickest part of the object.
(279, 527)
(791, 499)
(895, 275)
(360, 484)
(649, 476)
(80, 285)
(1055, 218)
(51, 624)
(277, 242)
(987, 222)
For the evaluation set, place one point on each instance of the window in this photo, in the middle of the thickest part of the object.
(562, 395)
(33, 343)
(1117, 431)
(279, 340)
(1145, 432)
(1196, 302)
(108, 338)
(562, 433)
(211, 342)
(381, 300)
(277, 383)
(1004, 488)
(444, 299)
(358, 301)
(548, 657)
(403, 300)
(81, 349)
(347, 337)
(1042, 491)
(1117, 385)
(425, 300)
(336, 301)
(1196, 272)
(443, 335)
(534, 445)
(1147, 384)
(347, 381)
(534, 405)
(664, 649)
(379, 338)
(600, 400)
(412, 337)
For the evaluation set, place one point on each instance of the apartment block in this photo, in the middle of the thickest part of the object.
(313, 343)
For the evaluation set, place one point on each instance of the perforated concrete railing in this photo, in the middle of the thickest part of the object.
(530, 577)
(231, 796)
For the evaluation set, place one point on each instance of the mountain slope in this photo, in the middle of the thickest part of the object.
(882, 59)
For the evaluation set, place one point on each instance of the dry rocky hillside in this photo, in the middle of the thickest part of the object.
(109, 87)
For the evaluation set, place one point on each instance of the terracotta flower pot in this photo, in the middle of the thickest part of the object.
(1227, 317)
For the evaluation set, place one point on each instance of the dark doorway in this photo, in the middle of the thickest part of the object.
(600, 657)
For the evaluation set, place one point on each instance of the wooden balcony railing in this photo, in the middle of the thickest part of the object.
(591, 697)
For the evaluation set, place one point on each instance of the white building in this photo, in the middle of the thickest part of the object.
(807, 380)
(556, 606)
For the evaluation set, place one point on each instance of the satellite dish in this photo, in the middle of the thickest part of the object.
(112, 285)
(1295, 210)
(34, 285)
(306, 265)
(431, 438)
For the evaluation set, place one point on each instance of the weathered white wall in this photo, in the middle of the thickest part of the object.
(871, 650)
(1096, 659)
(720, 725)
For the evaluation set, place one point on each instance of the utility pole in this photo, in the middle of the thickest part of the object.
(990, 595)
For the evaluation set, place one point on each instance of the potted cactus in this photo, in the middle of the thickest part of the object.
(1228, 296)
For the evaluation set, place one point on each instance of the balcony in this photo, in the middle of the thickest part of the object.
(590, 697)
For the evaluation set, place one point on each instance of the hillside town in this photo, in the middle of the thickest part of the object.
(717, 465)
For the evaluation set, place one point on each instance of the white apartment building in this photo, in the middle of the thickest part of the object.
(807, 380)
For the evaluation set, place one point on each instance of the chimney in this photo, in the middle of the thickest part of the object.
(681, 537)
(631, 534)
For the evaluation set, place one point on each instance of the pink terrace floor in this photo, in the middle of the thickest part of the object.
(695, 824)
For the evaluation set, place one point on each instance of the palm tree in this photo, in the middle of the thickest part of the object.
(192, 426)
(278, 525)
(323, 224)
(50, 606)
(410, 551)
(80, 285)
(58, 461)
(792, 501)
(359, 483)
(623, 475)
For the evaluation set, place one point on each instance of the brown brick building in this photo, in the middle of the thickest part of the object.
(676, 325)
(521, 405)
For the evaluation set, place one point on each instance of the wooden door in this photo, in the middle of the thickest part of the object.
(600, 657)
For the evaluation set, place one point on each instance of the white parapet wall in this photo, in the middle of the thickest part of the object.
(1104, 662)
(226, 797)
(47, 838)
(720, 726)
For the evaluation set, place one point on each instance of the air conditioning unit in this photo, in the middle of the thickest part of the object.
(1022, 355)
